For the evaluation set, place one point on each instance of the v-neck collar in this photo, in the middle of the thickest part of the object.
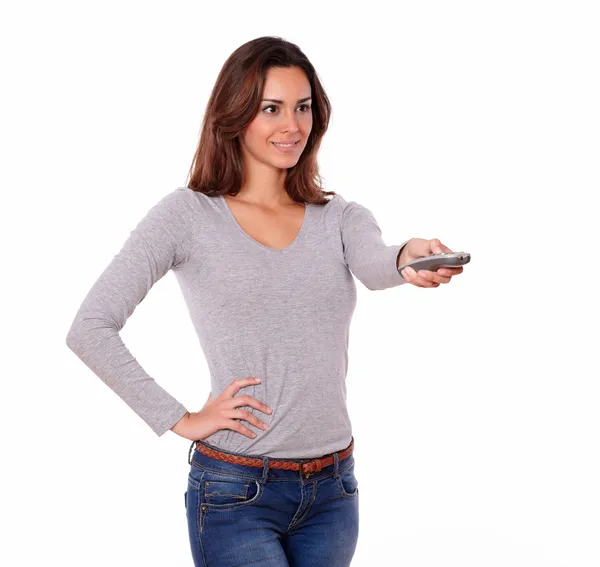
(285, 250)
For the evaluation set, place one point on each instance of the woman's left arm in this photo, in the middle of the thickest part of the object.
(375, 263)
(368, 257)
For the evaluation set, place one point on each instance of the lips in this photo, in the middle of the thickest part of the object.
(289, 148)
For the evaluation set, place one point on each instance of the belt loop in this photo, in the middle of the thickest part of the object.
(336, 461)
(263, 478)
(190, 453)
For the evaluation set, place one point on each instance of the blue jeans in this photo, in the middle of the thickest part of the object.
(241, 515)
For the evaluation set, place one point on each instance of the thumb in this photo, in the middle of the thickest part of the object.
(436, 247)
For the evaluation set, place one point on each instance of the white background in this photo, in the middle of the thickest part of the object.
(475, 406)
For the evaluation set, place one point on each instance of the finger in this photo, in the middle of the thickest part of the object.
(416, 279)
(408, 274)
(450, 271)
(237, 426)
(247, 401)
(244, 414)
(445, 273)
(432, 277)
(238, 384)
(437, 247)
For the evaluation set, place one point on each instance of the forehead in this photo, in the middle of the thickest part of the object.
(286, 83)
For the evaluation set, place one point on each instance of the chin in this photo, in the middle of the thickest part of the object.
(290, 161)
(286, 164)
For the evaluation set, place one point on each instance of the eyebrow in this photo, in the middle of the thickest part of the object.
(281, 102)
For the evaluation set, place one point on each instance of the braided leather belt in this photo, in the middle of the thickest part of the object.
(306, 468)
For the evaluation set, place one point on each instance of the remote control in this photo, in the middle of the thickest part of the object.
(435, 261)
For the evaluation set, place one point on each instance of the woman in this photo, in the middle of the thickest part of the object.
(265, 262)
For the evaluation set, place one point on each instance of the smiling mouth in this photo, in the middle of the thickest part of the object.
(286, 144)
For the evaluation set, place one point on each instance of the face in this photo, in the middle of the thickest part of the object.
(288, 120)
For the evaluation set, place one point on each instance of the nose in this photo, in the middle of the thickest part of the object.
(290, 121)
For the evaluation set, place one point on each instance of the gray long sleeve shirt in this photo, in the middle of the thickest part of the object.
(281, 315)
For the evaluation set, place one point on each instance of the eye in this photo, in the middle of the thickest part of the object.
(307, 106)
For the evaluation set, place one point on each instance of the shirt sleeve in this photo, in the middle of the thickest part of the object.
(159, 242)
(366, 254)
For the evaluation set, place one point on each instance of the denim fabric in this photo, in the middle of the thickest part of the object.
(240, 515)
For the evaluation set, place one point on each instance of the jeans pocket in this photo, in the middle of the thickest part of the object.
(220, 491)
(347, 482)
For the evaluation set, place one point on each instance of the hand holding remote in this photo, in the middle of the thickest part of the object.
(427, 263)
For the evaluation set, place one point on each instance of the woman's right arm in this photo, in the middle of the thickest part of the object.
(160, 241)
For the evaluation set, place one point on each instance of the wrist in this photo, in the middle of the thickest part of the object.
(181, 425)
(402, 255)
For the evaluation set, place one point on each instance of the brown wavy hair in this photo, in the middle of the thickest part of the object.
(217, 167)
